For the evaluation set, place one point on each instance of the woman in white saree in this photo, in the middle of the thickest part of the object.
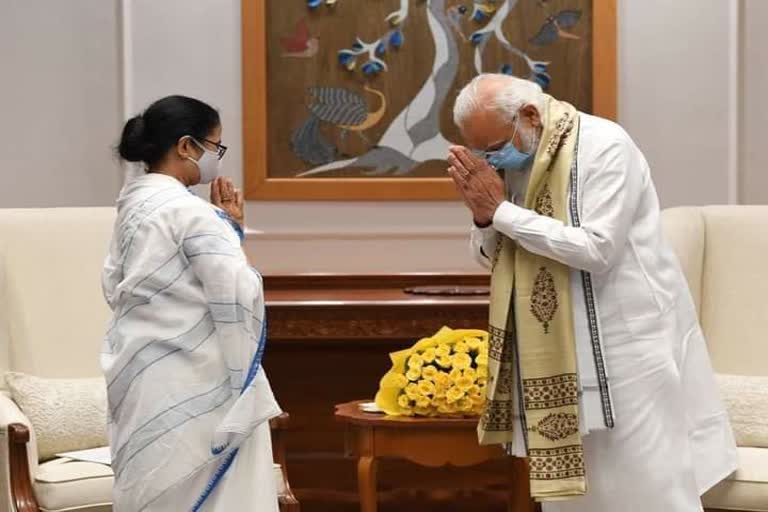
(189, 403)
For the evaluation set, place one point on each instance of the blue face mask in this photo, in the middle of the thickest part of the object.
(510, 158)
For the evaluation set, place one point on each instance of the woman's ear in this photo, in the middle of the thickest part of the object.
(186, 148)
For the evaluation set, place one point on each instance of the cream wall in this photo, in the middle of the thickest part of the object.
(678, 96)
(675, 83)
(60, 102)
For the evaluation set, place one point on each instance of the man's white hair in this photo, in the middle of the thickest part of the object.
(498, 92)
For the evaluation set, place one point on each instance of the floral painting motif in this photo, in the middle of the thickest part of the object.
(544, 202)
(544, 299)
(557, 426)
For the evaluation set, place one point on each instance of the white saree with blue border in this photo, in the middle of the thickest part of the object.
(189, 403)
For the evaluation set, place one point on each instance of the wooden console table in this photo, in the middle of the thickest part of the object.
(431, 442)
(329, 342)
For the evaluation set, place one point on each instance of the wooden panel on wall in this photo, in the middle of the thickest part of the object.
(354, 101)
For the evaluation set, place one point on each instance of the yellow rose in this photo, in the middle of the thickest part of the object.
(415, 361)
(462, 361)
(412, 391)
(429, 372)
(446, 408)
(401, 381)
(426, 388)
(464, 383)
(477, 400)
(464, 405)
(429, 355)
(442, 350)
(482, 372)
(440, 390)
(455, 375)
(473, 343)
(404, 402)
(438, 401)
(443, 379)
(413, 374)
(423, 402)
(423, 411)
(445, 361)
(471, 373)
(482, 382)
(461, 348)
(454, 394)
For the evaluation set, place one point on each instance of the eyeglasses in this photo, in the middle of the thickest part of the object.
(221, 149)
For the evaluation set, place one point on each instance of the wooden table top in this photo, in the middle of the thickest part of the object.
(350, 412)
(392, 290)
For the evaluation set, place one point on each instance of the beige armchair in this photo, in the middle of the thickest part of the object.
(723, 251)
(52, 321)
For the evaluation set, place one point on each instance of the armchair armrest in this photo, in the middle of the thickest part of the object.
(10, 414)
(19, 458)
(22, 494)
(288, 502)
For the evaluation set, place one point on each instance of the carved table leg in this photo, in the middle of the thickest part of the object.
(366, 481)
(519, 488)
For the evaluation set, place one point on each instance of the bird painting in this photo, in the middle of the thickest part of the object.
(301, 43)
(484, 10)
(455, 16)
(342, 108)
(553, 28)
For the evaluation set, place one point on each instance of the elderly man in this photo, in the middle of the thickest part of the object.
(599, 373)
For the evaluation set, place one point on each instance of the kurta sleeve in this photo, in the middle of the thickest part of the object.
(611, 194)
(482, 244)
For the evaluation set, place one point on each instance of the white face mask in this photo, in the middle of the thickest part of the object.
(209, 164)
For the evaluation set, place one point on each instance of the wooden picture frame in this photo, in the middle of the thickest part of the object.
(259, 185)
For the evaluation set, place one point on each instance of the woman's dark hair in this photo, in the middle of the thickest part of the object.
(149, 136)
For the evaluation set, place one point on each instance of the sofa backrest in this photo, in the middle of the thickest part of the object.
(724, 254)
(52, 313)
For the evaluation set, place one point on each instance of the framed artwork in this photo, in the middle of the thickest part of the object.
(353, 99)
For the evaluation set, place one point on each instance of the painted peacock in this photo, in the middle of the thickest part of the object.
(340, 107)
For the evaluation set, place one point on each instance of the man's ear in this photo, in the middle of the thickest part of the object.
(531, 114)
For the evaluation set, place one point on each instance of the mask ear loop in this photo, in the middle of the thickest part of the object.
(197, 143)
(196, 162)
(517, 125)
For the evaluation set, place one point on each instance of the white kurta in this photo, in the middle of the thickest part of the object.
(671, 440)
(189, 403)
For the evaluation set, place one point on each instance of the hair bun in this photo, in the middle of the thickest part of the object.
(133, 146)
(150, 136)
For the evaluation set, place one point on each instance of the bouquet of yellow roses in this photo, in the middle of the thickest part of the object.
(445, 375)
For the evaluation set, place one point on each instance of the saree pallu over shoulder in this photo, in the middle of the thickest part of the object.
(182, 355)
